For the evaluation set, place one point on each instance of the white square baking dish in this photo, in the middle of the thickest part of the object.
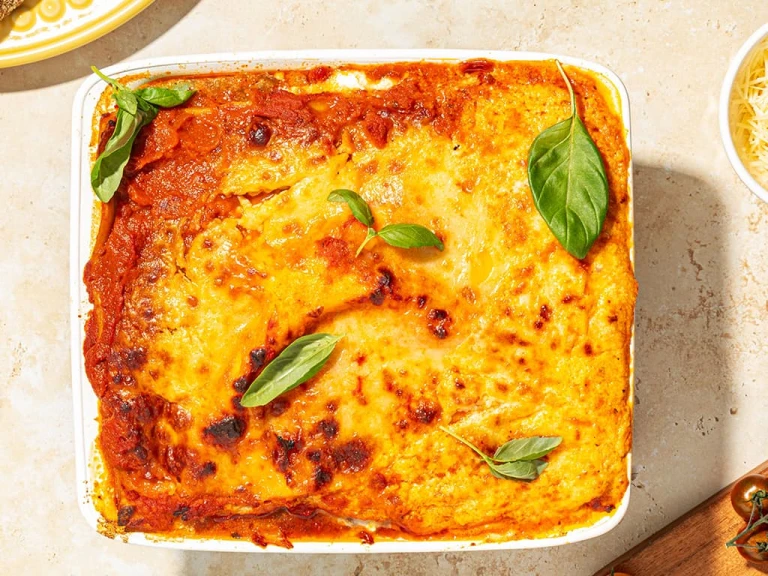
(82, 222)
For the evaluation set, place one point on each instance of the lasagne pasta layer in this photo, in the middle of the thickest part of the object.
(220, 248)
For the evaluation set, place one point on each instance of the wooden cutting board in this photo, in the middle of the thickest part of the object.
(693, 545)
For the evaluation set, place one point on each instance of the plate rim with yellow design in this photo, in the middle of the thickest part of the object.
(74, 34)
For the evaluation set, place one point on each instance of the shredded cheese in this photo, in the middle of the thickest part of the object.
(749, 113)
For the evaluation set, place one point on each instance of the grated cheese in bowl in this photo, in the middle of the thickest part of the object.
(749, 113)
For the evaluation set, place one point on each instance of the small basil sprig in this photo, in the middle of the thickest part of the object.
(517, 459)
(300, 361)
(135, 109)
(397, 235)
(568, 181)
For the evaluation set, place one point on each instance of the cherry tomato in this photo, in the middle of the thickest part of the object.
(757, 547)
(744, 490)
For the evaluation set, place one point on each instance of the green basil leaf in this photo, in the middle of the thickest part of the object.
(165, 97)
(299, 362)
(409, 236)
(357, 205)
(526, 448)
(127, 101)
(107, 172)
(522, 470)
(568, 181)
(146, 107)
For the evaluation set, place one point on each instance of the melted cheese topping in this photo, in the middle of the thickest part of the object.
(224, 249)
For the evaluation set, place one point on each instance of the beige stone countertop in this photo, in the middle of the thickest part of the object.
(702, 262)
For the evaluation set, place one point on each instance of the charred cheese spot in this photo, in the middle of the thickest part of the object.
(439, 322)
(135, 359)
(384, 287)
(260, 133)
(316, 313)
(226, 432)
(598, 504)
(426, 411)
(328, 428)
(286, 450)
(322, 476)
(352, 456)
(258, 358)
(241, 384)
(206, 470)
(182, 512)
(377, 297)
(278, 406)
(124, 515)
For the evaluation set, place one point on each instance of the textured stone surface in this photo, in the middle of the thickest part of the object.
(701, 262)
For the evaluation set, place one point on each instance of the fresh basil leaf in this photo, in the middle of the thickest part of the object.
(409, 236)
(127, 101)
(526, 448)
(522, 470)
(357, 205)
(165, 97)
(146, 107)
(568, 181)
(299, 362)
(107, 172)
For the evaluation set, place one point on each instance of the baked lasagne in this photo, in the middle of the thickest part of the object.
(220, 248)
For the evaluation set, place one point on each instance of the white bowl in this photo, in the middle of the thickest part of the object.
(725, 115)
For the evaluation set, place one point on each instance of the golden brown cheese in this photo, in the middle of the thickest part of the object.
(221, 248)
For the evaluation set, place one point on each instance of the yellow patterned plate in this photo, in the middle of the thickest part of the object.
(39, 29)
